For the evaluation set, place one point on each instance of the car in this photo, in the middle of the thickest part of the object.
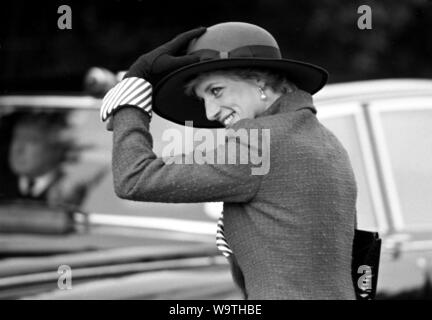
(122, 249)
(385, 126)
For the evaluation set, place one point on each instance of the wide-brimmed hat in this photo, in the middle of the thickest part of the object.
(224, 46)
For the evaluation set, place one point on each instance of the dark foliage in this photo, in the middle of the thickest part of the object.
(35, 54)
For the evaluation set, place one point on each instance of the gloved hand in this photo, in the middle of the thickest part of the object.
(136, 87)
(154, 65)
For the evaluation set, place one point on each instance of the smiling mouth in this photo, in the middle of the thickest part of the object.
(228, 120)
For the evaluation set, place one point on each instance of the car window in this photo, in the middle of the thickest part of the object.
(406, 145)
(347, 127)
(95, 154)
(91, 154)
(103, 198)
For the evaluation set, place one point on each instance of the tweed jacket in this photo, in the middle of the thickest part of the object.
(291, 229)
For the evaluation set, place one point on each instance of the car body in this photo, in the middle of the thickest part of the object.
(167, 251)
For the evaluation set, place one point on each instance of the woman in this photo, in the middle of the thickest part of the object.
(287, 231)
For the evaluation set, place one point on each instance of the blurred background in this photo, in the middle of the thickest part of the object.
(35, 54)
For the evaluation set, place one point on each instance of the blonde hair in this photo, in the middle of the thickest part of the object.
(276, 81)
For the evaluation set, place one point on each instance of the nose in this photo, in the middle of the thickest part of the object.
(212, 110)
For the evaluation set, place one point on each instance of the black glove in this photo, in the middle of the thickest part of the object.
(154, 65)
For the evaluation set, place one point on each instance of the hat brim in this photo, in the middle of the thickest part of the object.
(171, 102)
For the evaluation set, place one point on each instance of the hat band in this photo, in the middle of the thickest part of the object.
(257, 51)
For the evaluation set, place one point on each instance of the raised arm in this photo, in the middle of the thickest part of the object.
(139, 174)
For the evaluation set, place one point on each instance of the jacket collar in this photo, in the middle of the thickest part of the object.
(39, 184)
(291, 102)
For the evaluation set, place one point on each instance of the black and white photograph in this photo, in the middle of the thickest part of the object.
(224, 153)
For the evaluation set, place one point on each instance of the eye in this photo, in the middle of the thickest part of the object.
(216, 91)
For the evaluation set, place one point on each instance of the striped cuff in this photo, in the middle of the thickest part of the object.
(221, 242)
(130, 91)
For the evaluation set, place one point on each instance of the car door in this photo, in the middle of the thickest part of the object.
(387, 134)
(401, 129)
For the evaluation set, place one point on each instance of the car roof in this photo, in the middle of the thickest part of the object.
(51, 100)
(372, 90)
(331, 93)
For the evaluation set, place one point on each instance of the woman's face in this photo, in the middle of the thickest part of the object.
(228, 99)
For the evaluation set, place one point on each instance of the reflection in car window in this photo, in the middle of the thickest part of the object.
(43, 148)
(345, 128)
(408, 136)
(41, 184)
(90, 131)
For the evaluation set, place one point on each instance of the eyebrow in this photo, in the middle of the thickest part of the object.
(207, 89)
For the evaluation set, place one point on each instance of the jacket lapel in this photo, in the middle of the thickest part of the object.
(291, 102)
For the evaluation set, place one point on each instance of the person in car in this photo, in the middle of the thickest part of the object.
(41, 144)
(287, 231)
(36, 153)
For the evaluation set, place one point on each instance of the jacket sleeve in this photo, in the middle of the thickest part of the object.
(140, 175)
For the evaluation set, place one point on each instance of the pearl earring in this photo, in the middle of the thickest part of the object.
(262, 94)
